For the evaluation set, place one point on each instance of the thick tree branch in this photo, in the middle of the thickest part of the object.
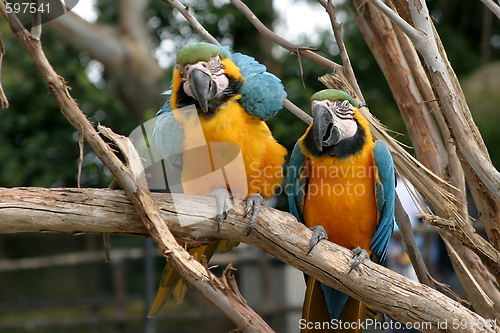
(133, 18)
(276, 232)
(100, 41)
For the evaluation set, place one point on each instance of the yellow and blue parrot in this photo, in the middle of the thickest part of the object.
(219, 101)
(341, 184)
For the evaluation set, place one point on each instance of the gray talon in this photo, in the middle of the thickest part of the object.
(254, 202)
(359, 255)
(222, 204)
(319, 233)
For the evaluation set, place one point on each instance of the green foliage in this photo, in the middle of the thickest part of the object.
(39, 146)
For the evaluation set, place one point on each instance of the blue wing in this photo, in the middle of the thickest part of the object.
(263, 92)
(296, 183)
(168, 135)
(386, 200)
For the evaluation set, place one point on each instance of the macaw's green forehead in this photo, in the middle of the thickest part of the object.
(193, 53)
(333, 95)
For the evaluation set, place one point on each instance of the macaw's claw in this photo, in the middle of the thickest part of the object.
(254, 202)
(359, 255)
(319, 233)
(222, 204)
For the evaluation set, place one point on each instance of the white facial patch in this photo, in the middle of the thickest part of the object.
(343, 116)
(213, 68)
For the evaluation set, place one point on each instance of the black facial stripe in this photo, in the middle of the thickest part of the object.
(346, 117)
(343, 149)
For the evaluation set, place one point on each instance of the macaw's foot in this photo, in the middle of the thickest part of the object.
(254, 202)
(359, 255)
(222, 204)
(319, 233)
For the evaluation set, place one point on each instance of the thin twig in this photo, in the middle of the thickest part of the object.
(302, 76)
(302, 51)
(3, 97)
(80, 159)
(493, 7)
(408, 29)
(466, 234)
(209, 38)
(185, 11)
(346, 62)
(411, 247)
(297, 111)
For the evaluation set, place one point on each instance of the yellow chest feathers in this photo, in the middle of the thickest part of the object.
(242, 134)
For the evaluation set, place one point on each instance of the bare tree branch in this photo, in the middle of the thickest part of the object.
(412, 91)
(299, 50)
(276, 232)
(347, 69)
(184, 10)
(495, 8)
(133, 18)
(482, 177)
(133, 74)
(3, 98)
(478, 244)
(297, 111)
(410, 245)
(454, 106)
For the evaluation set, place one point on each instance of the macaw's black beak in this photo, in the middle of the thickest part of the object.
(202, 87)
(325, 133)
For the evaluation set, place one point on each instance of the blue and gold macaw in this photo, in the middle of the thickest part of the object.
(341, 185)
(219, 102)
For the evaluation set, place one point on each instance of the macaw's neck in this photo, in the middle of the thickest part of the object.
(345, 148)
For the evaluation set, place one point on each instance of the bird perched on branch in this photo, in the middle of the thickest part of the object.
(342, 186)
(213, 130)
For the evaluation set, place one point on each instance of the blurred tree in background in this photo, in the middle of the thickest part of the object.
(38, 146)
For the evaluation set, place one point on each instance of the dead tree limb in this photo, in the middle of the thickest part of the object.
(413, 93)
(277, 232)
(483, 178)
